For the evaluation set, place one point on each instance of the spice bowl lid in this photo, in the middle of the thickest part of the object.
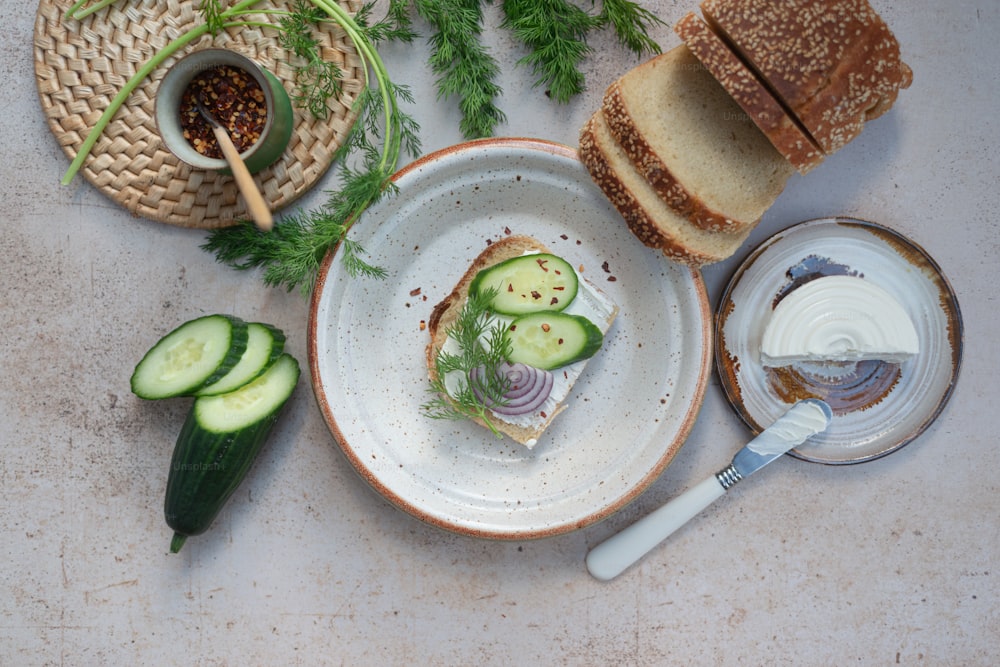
(277, 128)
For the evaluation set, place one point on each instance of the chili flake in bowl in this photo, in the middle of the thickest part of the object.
(234, 98)
(247, 100)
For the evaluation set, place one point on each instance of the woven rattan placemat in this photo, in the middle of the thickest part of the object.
(81, 65)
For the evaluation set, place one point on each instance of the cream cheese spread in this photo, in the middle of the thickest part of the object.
(802, 421)
(838, 319)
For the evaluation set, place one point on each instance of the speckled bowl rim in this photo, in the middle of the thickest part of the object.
(475, 153)
(920, 263)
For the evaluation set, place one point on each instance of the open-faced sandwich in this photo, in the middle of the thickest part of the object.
(510, 340)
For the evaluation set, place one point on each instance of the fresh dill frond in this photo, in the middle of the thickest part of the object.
(317, 81)
(555, 32)
(395, 26)
(631, 23)
(481, 345)
(465, 68)
(212, 14)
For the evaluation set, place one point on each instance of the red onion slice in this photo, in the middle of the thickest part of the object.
(529, 387)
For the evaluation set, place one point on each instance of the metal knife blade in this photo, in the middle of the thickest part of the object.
(613, 556)
(802, 421)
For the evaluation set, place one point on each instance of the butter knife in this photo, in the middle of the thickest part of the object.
(613, 556)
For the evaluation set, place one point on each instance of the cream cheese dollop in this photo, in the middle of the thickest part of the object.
(838, 319)
(802, 421)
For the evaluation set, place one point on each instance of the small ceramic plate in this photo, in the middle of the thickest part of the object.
(878, 407)
(628, 413)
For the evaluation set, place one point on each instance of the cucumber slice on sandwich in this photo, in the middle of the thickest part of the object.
(530, 283)
(550, 340)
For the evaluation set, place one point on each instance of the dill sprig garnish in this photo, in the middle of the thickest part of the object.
(481, 344)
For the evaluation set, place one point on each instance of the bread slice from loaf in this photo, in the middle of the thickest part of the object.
(446, 313)
(647, 215)
(777, 124)
(834, 64)
(701, 153)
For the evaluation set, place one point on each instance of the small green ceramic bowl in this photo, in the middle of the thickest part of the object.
(277, 129)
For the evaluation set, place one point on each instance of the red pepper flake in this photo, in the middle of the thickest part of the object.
(563, 237)
(506, 230)
(541, 263)
(559, 288)
(535, 294)
(543, 415)
(423, 324)
(415, 292)
(605, 267)
(546, 327)
(612, 279)
(510, 287)
(234, 98)
(560, 341)
(554, 301)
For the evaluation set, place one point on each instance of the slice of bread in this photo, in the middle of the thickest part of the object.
(647, 215)
(833, 64)
(697, 148)
(445, 314)
(780, 127)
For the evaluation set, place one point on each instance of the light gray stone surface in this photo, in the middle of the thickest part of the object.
(890, 562)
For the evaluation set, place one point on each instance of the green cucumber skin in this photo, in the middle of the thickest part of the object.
(207, 467)
(531, 262)
(278, 346)
(593, 340)
(237, 346)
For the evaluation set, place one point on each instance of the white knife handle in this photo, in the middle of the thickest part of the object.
(613, 556)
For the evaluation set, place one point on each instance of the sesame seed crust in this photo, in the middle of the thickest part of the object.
(649, 219)
(833, 63)
(782, 129)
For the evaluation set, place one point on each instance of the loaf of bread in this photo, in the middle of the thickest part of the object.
(445, 314)
(681, 130)
(833, 64)
(778, 125)
(694, 145)
(648, 215)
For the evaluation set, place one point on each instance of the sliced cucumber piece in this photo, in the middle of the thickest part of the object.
(254, 401)
(550, 340)
(528, 284)
(195, 354)
(265, 344)
(218, 443)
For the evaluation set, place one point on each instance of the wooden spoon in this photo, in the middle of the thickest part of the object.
(259, 210)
